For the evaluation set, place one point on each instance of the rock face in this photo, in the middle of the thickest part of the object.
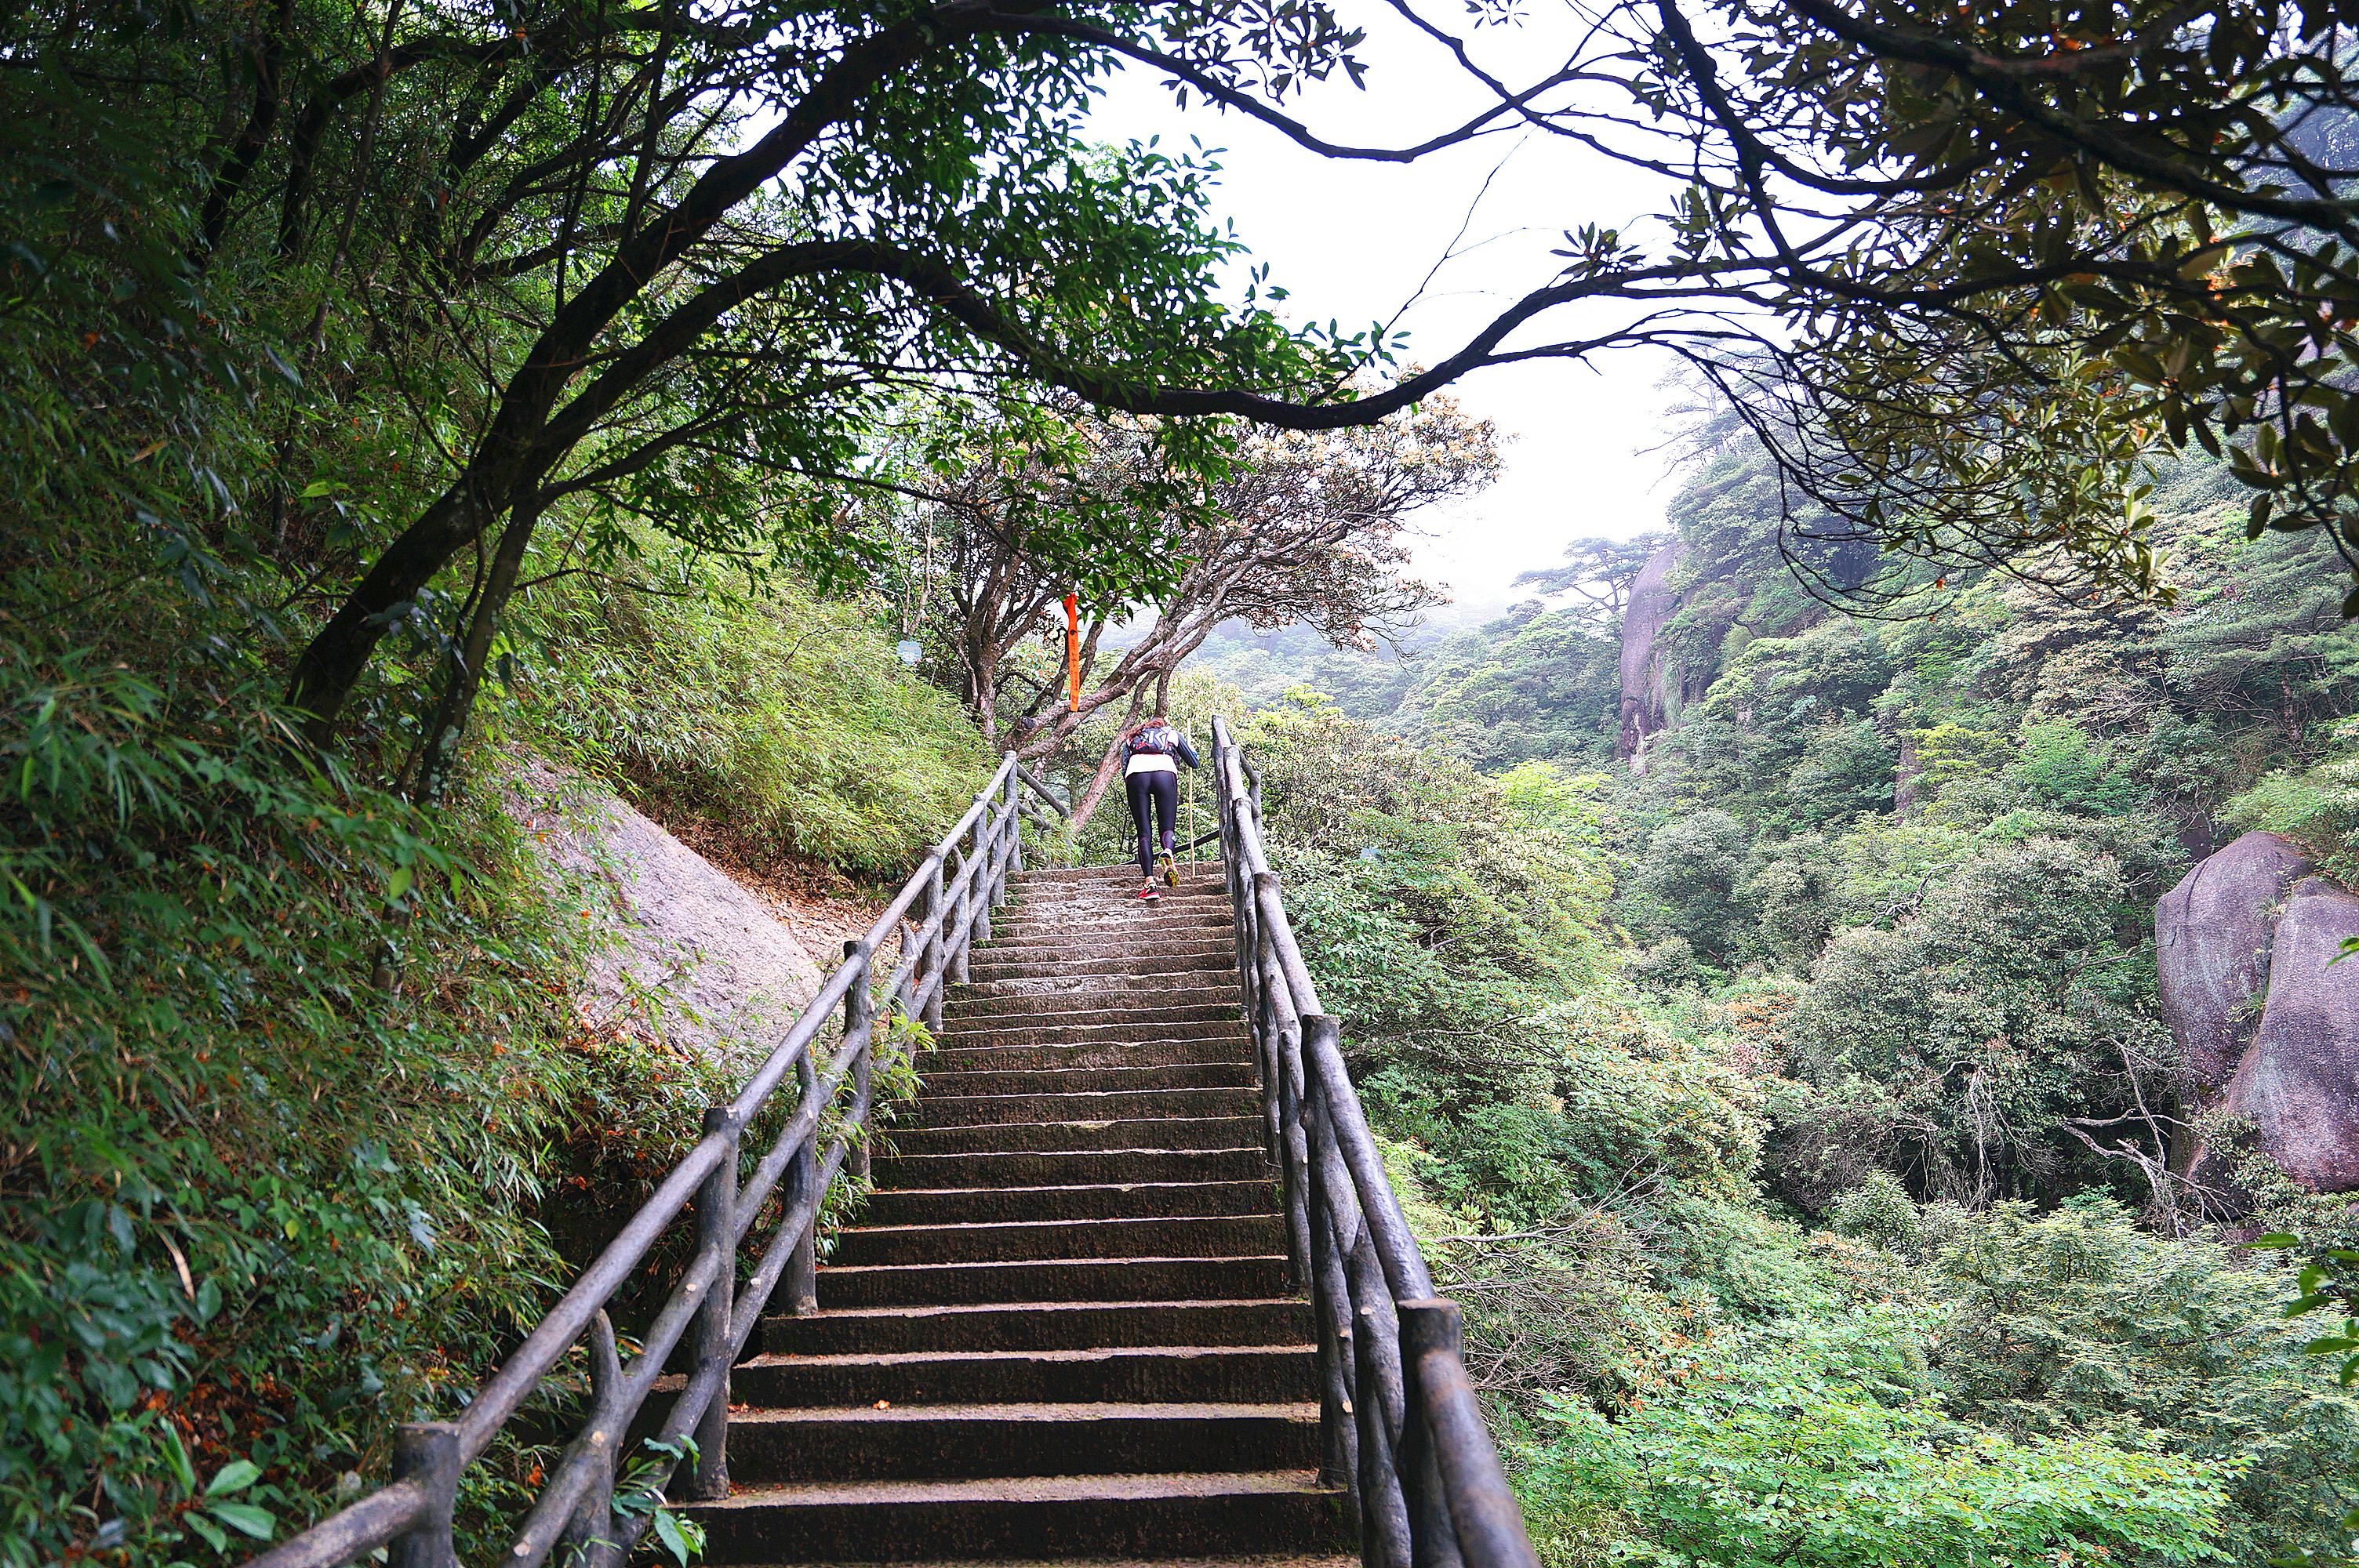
(1650, 702)
(2266, 1029)
(704, 949)
(2299, 1081)
(2211, 937)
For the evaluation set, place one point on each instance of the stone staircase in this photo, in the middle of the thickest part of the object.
(1062, 1330)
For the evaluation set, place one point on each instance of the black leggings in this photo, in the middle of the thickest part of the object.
(1161, 787)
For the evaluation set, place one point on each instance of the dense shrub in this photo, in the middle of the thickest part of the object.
(786, 717)
(257, 1211)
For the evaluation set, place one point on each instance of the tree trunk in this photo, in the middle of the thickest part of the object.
(324, 677)
(467, 670)
(1090, 796)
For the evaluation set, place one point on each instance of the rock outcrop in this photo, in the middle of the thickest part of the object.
(2299, 1080)
(2267, 1030)
(711, 959)
(1651, 697)
(2212, 941)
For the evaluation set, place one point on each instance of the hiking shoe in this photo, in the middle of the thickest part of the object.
(1170, 869)
(1149, 893)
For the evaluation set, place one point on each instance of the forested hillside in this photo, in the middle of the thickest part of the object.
(1793, 1097)
(768, 412)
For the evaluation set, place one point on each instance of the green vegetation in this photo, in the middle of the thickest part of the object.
(785, 715)
(257, 1206)
(259, 1210)
(1747, 1099)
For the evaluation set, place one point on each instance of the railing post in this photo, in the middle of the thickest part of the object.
(1484, 1513)
(801, 1282)
(1427, 1328)
(716, 1237)
(1262, 1017)
(933, 944)
(1293, 1157)
(1014, 827)
(1385, 1526)
(859, 1019)
(955, 928)
(427, 1452)
(986, 876)
(593, 1518)
(1330, 1315)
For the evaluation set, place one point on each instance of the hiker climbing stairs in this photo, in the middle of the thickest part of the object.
(1061, 1327)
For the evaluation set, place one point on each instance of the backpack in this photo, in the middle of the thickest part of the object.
(1161, 740)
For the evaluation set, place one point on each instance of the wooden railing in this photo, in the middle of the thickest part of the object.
(1399, 1426)
(946, 905)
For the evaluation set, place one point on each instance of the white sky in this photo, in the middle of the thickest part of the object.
(1353, 240)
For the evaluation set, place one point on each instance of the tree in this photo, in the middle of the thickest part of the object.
(1997, 1015)
(1600, 571)
(670, 310)
(1958, 269)
(1299, 528)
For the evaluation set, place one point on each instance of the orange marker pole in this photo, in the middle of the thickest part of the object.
(1074, 653)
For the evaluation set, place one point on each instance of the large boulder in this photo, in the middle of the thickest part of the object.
(1646, 705)
(2299, 1080)
(716, 964)
(2211, 939)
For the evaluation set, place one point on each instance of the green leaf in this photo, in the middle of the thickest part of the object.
(256, 1522)
(667, 1530)
(176, 1456)
(234, 1476)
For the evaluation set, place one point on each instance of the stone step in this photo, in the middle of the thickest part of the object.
(1096, 989)
(1075, 1137)
(1206, 944)
(1065, 1055)
(1190, 871)
(1210, 961)
(1074, 1168)
(1061, 1332)
(1114, 1027)
(1144, 942)
(1050, 1080)
(946, 1110)
(1143, 1278)
(1128, 1200)
(1165, 918)
(1087, 909)
(1159, 1374)
(1112, 897)
(943, 1442)
(1007, 1242)
(1212, 1002)
(1027, 1520)
(1041, 1325)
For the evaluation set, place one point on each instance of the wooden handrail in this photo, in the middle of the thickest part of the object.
(411, 1513)
(1401, 1429)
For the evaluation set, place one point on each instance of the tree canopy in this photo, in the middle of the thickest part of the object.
(1960, 268)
